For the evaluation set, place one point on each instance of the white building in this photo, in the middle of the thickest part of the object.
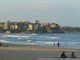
(30, 27)
(7, 23)
(36, 21)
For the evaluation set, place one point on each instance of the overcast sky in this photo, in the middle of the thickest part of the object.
(64, 12)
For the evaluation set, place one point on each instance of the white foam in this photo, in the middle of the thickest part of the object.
(54, 37)
(29, 40)
(17, 36)
(4, 41)
(55, 42)
(34, 34)
(51, 42)
(30, 43)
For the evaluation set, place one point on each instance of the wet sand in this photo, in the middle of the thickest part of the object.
(34, 53)
(36, 48)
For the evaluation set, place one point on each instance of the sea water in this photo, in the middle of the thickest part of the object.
(66, 40)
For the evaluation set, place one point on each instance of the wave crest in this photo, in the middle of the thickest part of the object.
(53, 37)
(16, 36)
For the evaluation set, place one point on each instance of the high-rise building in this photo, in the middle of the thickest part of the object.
(36, 21)
(7, 23)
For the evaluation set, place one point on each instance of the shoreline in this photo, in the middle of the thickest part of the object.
(7, 46)
(35, 53)
(36, 48)
(30, 33)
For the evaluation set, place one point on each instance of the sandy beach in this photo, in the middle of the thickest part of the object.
(35, 53)
(36, 48)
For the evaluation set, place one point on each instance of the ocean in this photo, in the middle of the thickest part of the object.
(66, 40)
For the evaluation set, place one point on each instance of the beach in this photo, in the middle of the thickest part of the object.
(35, 53)
(36, 48)
(39, 46)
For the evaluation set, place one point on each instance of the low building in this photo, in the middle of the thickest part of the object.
(2, 25)
(14, 25)
(30, 27)
(7, 25)
(36, 27)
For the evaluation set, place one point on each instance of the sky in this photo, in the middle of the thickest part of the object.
(63, 12)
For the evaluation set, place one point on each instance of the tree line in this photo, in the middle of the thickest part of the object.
(70, 29)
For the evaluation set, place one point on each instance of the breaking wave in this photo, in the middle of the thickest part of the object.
(53, 37)
(55, 42)
(16, 36)
(21, 43)
(34, 34)
(51, 42)
(4, 41)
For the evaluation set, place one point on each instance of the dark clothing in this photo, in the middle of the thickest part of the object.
(63, 55)
(58, 44)
(0, 44)
(73, 55)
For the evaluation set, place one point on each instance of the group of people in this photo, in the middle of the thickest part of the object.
(58, 44)
(63, 55)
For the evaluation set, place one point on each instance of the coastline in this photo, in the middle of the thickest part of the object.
(54, 39)
(36, 48)
(35, 53)
(9, 46)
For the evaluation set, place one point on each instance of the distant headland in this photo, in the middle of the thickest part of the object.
(29, 27)
(34, 27)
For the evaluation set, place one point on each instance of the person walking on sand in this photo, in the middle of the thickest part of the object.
(63, 55)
